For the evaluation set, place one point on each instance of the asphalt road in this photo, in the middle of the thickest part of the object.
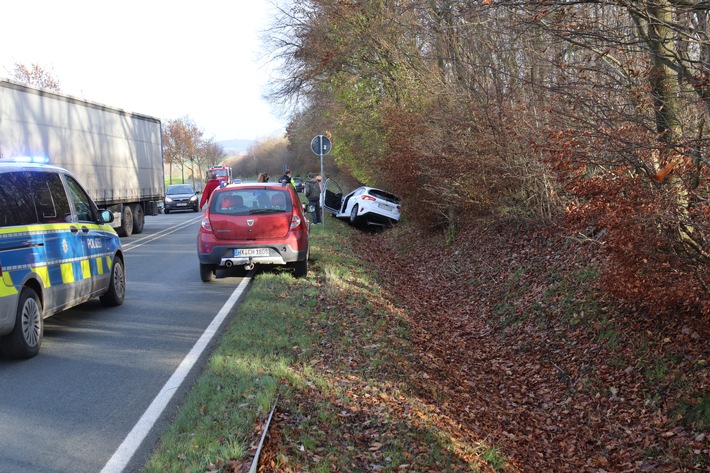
(71, 407)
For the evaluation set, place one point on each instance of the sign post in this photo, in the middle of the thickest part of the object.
(321, 145)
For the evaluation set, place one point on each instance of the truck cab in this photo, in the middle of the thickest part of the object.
(222, 173)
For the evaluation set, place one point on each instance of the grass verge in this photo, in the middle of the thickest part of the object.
(333, 352)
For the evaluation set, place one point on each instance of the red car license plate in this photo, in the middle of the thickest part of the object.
(251, 252)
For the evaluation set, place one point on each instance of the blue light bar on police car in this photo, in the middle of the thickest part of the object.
(28, 159)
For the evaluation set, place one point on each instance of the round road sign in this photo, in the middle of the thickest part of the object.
(321, 145)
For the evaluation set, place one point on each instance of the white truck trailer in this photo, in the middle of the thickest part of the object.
(117, 155)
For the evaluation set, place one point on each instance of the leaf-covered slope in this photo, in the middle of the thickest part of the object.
(526, 353)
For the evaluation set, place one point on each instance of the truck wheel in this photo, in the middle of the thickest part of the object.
(138, 218)
(126, 228)
(117, 287)
(25, 339)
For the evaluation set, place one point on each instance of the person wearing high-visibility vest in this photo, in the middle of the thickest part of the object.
(287, 178)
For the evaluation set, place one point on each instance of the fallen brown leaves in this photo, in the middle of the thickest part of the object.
(512, 344)
(542, 380)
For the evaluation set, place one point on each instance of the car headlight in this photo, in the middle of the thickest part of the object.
(193, 198)
(168, 200)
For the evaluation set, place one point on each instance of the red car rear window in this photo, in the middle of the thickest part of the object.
(250, 201)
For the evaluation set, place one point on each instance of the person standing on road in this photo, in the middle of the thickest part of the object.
(211, 185)
(312, 191)
(287, 178)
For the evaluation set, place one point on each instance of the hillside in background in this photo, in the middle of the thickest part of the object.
(232, 147)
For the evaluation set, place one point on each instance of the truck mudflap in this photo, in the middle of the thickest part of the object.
(152, 208)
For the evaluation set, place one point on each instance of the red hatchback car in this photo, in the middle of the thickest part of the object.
(250, 224)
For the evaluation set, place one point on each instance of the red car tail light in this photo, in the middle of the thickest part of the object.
(206, 225)
(295, 221)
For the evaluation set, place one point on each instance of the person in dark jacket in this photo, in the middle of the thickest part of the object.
(286, 178)
(312, 191)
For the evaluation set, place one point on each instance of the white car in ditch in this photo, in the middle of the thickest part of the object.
(366, 205)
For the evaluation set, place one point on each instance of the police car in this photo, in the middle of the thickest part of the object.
(57, 250)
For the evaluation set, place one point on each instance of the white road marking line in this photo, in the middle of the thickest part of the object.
(130, 245)
(135, 437)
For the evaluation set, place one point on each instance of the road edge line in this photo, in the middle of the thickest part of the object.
(122, 456)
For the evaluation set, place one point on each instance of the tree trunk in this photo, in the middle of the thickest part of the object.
(663, 78)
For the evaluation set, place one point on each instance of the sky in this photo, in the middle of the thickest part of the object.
(163, 58)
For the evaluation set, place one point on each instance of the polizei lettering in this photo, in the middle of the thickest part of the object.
(94, 243)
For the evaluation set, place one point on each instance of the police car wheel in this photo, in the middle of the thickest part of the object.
(117, 288)
(25, 339)
(207, 272)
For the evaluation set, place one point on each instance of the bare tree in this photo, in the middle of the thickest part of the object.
(35, 75)
(270, 155)
(213, 153)
(182, 141)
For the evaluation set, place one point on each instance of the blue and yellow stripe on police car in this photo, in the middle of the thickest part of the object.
(53, 253)
(7, 288)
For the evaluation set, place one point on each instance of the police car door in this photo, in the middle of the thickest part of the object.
(63, 246)
(99, 240)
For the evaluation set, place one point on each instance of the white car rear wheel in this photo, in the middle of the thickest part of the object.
(353, 214)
